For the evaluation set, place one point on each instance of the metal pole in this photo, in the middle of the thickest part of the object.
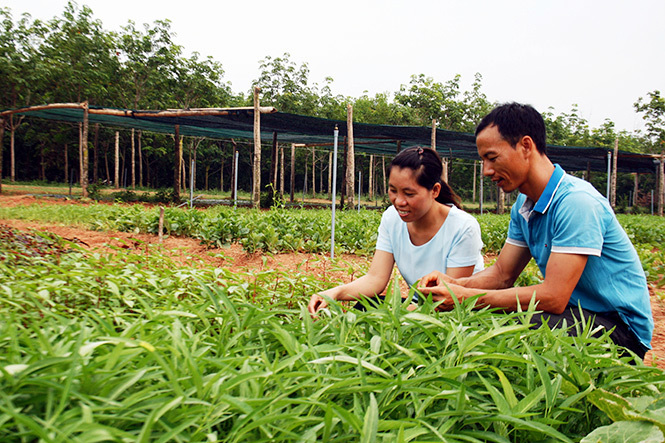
(609, 173)
(334, 195)
(235, 183)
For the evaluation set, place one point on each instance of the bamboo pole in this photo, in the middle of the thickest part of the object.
(141, 113)
(256, 182)
(350, 157)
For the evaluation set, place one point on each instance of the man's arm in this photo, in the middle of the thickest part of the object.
(502, 274)
(562, 274)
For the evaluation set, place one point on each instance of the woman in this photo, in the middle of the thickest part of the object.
(423, 230)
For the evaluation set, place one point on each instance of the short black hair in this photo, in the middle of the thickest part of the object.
(514, 121)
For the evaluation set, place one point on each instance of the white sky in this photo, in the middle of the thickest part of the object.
(599, 54)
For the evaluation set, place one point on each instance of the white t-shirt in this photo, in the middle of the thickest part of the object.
(457, 244)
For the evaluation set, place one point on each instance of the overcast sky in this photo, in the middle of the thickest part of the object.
(599, 54)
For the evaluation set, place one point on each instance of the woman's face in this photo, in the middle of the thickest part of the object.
(411, 200)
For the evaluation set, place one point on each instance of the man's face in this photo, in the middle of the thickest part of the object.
(506, 166)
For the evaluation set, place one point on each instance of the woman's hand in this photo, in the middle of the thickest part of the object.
(316, 302)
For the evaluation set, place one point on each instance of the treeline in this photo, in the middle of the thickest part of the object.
(72, 58)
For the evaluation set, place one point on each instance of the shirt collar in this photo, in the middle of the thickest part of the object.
(546, 197)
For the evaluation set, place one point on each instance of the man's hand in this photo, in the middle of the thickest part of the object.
(437, 283)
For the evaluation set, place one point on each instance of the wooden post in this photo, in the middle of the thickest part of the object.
(475, 180)
(383, 169)
(661, 192)
(371, 177)
(95, 164)
(313, 172)
(293, 171)
(433, 142)
(116, 177)
(613, 185)
(233, 171)
(350, 157)
(273, 164)
(176, 167)
(133, 161)
(161, 224)
(501, 203)
(636, 189)
(399, 146)
(12, 149)
(84, 148)
(256, 189)
(140, 160)
(2, 136)
(281, 172)
(66, 165)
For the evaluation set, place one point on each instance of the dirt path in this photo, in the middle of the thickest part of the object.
(189, 251)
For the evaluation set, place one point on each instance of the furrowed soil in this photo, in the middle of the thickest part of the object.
(189, 252)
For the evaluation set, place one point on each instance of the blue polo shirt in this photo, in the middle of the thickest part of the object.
(571, 217)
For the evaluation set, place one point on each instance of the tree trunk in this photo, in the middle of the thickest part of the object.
(256, 169)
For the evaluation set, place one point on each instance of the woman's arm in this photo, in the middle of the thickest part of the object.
(370, 284)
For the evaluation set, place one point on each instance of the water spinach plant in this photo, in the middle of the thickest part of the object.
(133, 347)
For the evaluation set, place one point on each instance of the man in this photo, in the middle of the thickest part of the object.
(569, 229)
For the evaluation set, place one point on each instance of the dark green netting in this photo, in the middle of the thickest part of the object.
(373, 139)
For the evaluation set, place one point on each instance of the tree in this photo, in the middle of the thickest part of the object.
(654, 116)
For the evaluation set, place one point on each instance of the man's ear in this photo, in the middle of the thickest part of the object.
(529, 145)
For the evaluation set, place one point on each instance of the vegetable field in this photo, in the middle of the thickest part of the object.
(206, 338)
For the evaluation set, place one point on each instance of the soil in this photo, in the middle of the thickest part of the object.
(183, 250)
